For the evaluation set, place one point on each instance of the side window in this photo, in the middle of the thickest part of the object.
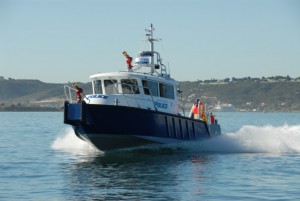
(166, 91)
(130, 86)
(150, 88)
(110, 87)
(98, 87)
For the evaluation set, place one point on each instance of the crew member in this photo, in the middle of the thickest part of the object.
(194, 109)
(78, 92)
(128, 61)
(212, 118)
(202, 110)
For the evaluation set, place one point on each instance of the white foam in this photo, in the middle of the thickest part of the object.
(254, 139)
(248, 139)
(69, 142)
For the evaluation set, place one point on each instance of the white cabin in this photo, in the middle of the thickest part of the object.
(134, 89)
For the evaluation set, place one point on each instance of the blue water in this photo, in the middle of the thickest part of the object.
(256, 158)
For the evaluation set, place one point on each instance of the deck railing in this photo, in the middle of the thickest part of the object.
(133, 94)
(71, 97)
(69, 92)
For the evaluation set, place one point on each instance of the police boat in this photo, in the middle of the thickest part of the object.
(136, 107)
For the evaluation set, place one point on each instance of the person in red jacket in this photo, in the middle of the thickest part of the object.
(212, 118)
(78, 92)
(128, 61)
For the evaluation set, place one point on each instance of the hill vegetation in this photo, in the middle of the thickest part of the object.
(242, 94)
(248, 94)
(25, 94)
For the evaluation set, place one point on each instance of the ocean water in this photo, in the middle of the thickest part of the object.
(256, 158)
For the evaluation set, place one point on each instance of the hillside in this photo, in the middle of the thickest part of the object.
(246, 94)
(30, 93)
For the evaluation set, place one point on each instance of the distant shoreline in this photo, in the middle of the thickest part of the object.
(30, 109)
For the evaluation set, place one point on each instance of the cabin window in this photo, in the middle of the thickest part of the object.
(166, 91)
(150, 88)
(130, 86)
(110, 86)
(98, 87)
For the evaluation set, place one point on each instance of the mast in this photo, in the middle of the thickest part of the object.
(153, 55)
(151, 40)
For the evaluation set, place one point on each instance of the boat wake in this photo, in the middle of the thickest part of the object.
(248, 139)
(254, 139)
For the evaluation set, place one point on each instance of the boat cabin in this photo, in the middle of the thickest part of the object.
(134, 89)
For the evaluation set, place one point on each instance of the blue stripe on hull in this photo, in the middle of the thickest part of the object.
(119, 126)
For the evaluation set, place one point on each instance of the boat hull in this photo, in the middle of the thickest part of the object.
(110, 127)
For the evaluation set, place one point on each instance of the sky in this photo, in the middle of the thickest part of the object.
(60, 41)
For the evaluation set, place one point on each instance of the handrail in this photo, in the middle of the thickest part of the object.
(124, 95)
(117, 89)
(68, 93)
(140, 88)
(151, 97)
(70, 90)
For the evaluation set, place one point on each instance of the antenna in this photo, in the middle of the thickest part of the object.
(150, 39)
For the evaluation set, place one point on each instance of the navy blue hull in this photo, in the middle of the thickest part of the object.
(111, 127)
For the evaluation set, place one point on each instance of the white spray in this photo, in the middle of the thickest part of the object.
(254, 139)
(248, 139)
